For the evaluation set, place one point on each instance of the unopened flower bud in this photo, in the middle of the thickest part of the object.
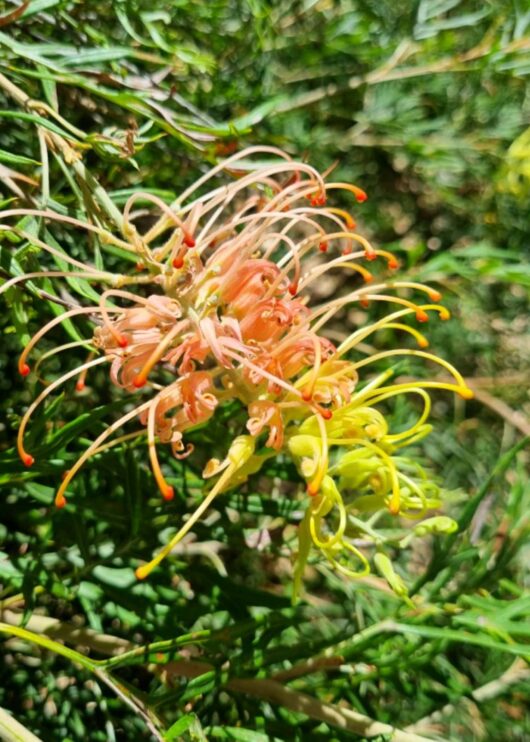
(438, 524)
(385, 568)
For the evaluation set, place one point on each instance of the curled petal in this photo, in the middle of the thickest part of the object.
(264, 414)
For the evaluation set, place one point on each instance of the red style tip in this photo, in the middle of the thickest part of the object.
(178, 262)
(364, 303)
(350, 223)
(24, 369)
(326, 414)
(139, 381)
(361, 197)
(293, 288)
(168, 493)
(123, 342)
(370, 255)
(323, 247)
(28, 460)
(139, 266)
(80, 385)
(60, 501)
(306, 396)
(189, 241)
(318, 199)
(422, 316)
(393, 264)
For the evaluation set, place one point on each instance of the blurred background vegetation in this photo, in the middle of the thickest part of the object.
(426, 106)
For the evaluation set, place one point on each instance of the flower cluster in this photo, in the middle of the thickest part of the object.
(218, 309)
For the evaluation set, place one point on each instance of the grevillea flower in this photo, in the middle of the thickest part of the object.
(219, 309)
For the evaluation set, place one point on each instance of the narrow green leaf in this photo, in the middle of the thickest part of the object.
(16, 159)
(188, 723)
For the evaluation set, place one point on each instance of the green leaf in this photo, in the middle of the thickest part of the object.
(37, 120)
(188, 723)
(16, 159)
(37, 6)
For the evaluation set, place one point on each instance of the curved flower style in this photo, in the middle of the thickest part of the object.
(219, 310)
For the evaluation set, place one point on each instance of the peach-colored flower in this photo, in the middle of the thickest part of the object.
(219, 310)
(266, 414)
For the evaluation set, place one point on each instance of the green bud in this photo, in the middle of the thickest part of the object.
(241, 449)
(303, 445)
(438, 524)
(385, 568)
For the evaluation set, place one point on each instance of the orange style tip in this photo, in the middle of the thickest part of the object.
(361, 197)
(178, 262)
(141, 572)
(393, 508)
(139, 266)
(60, 501)
(423, 343)
(80, 385)
(28, 460)
(368, 278)
(123, 342)
(435, 295)
(369, 255)
(24, 369)
(189, 241)
(306, 396)
(168, 493)
(445, 314)
(364, 303)
(139, 381)
(347, 251)
(312, 490)
(393, 264)
(293, 288)
(323, 247)
(466, 393)
(351, 224)
(422, 316)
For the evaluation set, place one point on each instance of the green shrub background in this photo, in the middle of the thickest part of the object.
(426, 106)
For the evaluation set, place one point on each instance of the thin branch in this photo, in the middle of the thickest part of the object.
(314, 664)
(70, 155)
(517, 672)
(387, 73)
(515, 418)
(12, 730)
(93, 666)
(335, 716)
(76, 635)
(14, 14)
